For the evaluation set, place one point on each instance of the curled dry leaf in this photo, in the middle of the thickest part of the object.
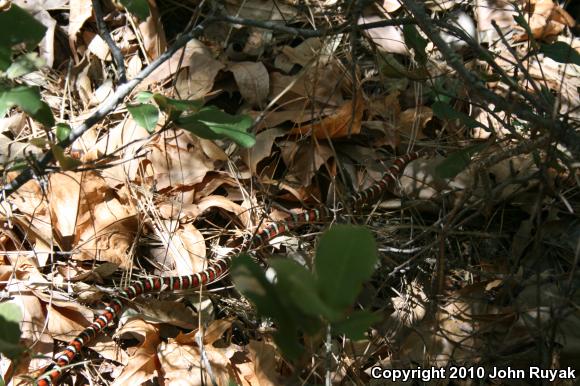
(547, 19)
(96, 45)
(39, 9)
(261, 367)
(64, 195)
(181, 361)
(153, 33)
(302, 54)
(106, 226)
(143, 365)
(183, 248)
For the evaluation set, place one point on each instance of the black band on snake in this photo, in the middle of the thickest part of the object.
(216, 270)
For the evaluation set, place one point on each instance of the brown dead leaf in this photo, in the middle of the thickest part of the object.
(547, 19)
(345, 121)
(181, 358)
(302, 54)
(197, 80)
(143, 364)
(262, 148)
(252, 80)
(183, 248)
(64, 200)
(319, 85)
(153, 33)
(262, 365)
(412, 121)
(213, 333)
(304, 161)
(106, 226)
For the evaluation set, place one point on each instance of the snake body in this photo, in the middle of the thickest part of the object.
(216, 270)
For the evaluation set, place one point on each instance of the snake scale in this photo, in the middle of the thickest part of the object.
(216, 270)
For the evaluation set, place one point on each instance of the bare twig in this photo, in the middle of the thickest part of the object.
(104, 33)
(559, 129)
(308, 33)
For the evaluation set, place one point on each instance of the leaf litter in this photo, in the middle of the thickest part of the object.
(184, 196)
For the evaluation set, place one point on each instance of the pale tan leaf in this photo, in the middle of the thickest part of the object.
(80, 11)
(153, 33)
(303, 53)
(64, 199)
(388, 39)
(96, 45)
(185, 248)
(143, 364)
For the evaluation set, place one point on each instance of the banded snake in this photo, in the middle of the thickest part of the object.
(216, 270)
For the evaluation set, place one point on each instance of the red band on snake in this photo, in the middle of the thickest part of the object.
(216, 270)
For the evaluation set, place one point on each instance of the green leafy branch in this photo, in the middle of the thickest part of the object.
(305, 303)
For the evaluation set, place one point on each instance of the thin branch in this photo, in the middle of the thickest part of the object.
(308, 33)
(104, 33)
(559, 129)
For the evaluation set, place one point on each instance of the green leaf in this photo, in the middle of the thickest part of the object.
(28, 99)
(345, 258)
(5, 58)
(445, 111)
(211, 123)
(418, 43)
(356, 324)
(174, 107)
(24, 64)
(561, 52)
(62, 131)
(146, 116)
(299, 286)
(143, 97)
(139, 8)
(10, 317)
(250, 280)
(456, 162)
(18, 26)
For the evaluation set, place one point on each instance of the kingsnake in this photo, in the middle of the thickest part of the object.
(216, 270)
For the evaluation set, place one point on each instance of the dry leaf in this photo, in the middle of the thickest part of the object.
(80, 12)
(143, 365)
(252, 80)
(388, 39)
(344, 122)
